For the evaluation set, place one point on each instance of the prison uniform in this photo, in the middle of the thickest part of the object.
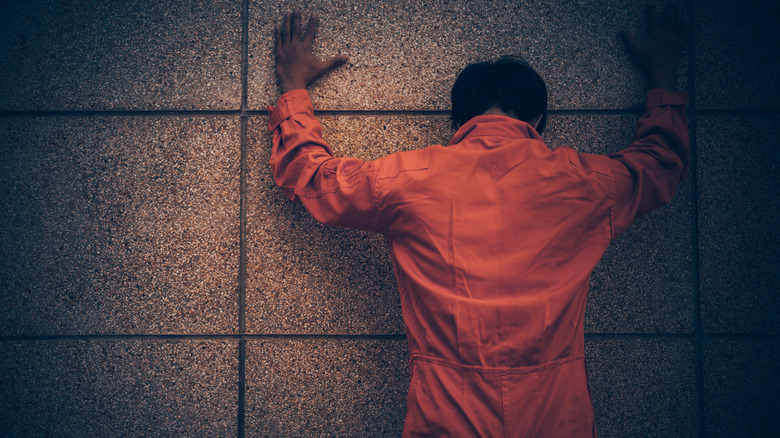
(493, 240)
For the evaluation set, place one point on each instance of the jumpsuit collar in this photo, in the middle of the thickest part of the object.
(495, 125)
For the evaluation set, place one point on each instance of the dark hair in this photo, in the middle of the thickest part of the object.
(508, 83)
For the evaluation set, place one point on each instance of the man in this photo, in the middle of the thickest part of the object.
(493, 237)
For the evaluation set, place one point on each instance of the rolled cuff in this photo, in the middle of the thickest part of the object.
(290, 103)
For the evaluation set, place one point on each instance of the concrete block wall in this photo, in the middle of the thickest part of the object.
(154, 282)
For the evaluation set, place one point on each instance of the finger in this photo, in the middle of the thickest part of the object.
(311, 29)
(652, 17)
(325, 67)
(285, 33)
(630, 42)
(295, 25)
(278, 39)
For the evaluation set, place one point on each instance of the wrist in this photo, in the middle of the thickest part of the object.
(667, 83)
(287, 86)
(662, 78)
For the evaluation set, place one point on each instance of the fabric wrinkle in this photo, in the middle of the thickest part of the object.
(493, 240)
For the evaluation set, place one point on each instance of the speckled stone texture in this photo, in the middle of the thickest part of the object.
(405, 54)
(741, 378)
(118, 225)
(125, 308)
(171, 54)
(737, 55)
(118, 388)
(643, 387)
(326, 387)
(739, 230)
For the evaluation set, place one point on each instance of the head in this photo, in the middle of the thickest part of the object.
(508, 84)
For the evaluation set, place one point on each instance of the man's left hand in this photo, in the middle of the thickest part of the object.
(296, 65)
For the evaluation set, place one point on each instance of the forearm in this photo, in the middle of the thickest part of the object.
(298, 148)
(335, 190)
(660, 143)
(662, 131)
(647, 173)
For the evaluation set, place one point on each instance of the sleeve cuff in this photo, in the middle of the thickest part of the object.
(660, 97)
(290, 103)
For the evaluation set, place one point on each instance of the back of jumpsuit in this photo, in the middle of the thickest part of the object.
(493, 239)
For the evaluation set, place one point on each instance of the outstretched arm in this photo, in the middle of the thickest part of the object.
(336, 191)
(646, 174)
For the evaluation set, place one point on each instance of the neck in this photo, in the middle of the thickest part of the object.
(497, 111)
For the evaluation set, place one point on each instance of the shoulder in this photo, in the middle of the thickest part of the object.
(419, 159)
(587, 163)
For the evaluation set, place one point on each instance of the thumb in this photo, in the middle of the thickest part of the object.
(334, 63)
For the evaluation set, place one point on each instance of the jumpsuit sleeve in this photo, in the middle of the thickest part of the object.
(335, 191)
(646, 174)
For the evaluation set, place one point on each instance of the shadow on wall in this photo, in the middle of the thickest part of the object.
(120, 174)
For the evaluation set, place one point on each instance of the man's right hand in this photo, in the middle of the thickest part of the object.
(659, 56)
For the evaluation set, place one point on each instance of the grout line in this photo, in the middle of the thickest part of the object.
(244, 53)
(699, 364)
(242, 217)
(738, 112)
(244, 111)
(748, 336)
(751, 336)
(381, 113)
(242, 257)
(122, 113)
(200, 337)
(247, 112)
(340, 336)
(241, 388)
(119, 337)
(242, 273)
(607, 336)
(357, 337)
(293, 336)
(445, 112)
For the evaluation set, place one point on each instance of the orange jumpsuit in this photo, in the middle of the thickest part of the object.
(493, 239)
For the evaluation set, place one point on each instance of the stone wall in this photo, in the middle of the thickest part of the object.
(155, 282)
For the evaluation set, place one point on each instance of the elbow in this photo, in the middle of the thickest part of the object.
(684, 166)
(678, 168)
